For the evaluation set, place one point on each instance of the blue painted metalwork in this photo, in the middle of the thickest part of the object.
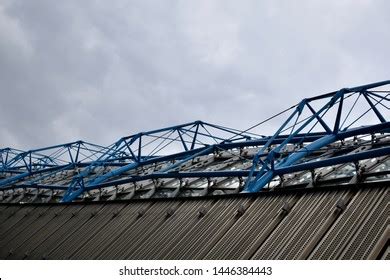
(266, 173)
(193, 132)
(53, 158)
(244, 173)
(98, 167)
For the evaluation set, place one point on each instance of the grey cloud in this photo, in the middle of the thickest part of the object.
(98, 70)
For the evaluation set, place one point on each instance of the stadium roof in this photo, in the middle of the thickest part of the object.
(316, 188)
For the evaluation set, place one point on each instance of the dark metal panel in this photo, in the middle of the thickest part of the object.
(24, 228)
(29, 240)
(386, 254)
(121, 220)
(324, 227)
(58, 228)
(19, 216)
(340, 234)
(148, 222)
(370, 231)
(245, 236)
(288, 227)
(309, 228)
(71, 231)
(382, 244)
(206, 232)
(7, 212)
(275, 226)
(178, 223)
(3, 212)
(83, 233)
(232, 216)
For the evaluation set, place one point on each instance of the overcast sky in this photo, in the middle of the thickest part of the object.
(99, 70)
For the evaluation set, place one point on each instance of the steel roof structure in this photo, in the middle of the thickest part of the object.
(199, 158)
(316, 188)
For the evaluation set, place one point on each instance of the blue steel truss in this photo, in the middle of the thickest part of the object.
(313, 124)
(332, 131)
(24, 164)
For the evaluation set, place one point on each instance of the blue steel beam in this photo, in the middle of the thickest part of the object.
(51, 156)
(181, 157)
(377, 152)
(49, 160)
(284, 168)
(124, 155)
(244, 173)
(255, 184)
(85, 180)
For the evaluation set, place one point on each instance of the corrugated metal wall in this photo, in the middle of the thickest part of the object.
(333, 224)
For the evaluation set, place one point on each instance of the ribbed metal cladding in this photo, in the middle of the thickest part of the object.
(23, 229)
(308, 227)
(386, 254)
(38, 232)
(98, 218)
(15, 217)
(288, 228)
(121, 220)
(370, 230)
(246, 235)
(207, 231)
(64, 226)
(339, 236)
(178, 223)
(347, 223)
(147, 221)
(5, 212)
